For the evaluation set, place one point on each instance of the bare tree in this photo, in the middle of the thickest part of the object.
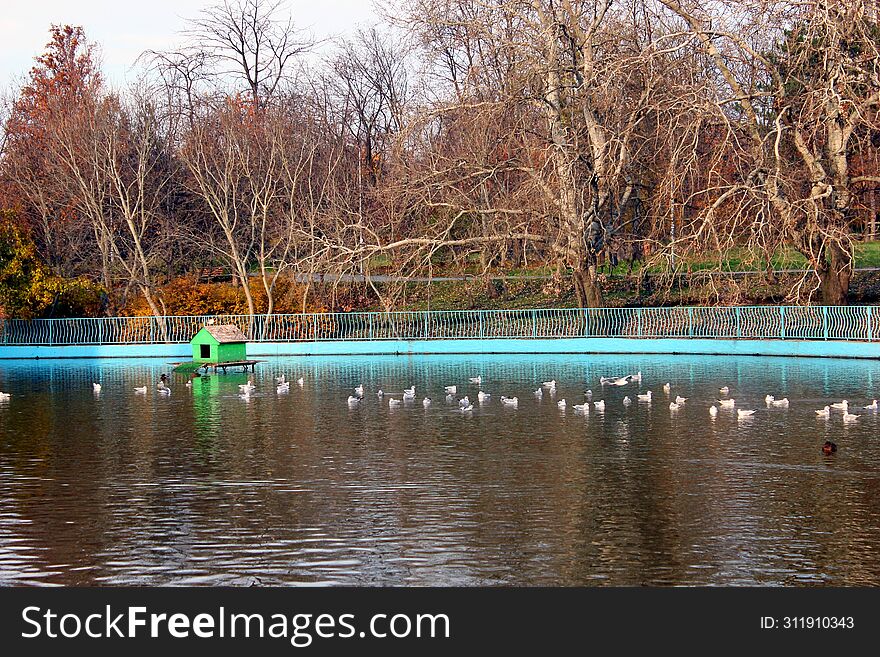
(110, 157)
(799, 87)
(583, 88)
(253, 41)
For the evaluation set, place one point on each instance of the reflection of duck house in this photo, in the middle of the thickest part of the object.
(220, 346)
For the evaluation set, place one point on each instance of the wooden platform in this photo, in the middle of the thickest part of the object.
(244, 364)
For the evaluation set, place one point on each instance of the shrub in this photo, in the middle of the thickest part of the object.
(28, 288)
(187, 296)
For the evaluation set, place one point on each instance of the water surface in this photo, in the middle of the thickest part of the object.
(204, 487)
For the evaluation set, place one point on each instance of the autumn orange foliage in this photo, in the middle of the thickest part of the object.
(188, 296)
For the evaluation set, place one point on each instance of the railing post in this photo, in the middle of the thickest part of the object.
(690, 322)
(50, 332)
(481, 324)
(370, 333)
(869, 322)
(739, 330)
(534, 323)
(426, 324)
(314, 327)
(782, 322)
(152, 330)
(824, 322)
(639, 322)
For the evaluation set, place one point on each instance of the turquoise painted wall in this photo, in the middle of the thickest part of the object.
(806, 348)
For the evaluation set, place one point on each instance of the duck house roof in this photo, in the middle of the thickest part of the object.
(226, 333)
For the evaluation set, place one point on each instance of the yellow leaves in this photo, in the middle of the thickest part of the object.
(29, 289)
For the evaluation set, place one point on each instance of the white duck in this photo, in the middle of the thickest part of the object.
(561, 403)
(549, 384)
(450, 390)
(841, 406)
(680, 400)
(824, 412)
(599, 405)
(426, 402)
(510, 401)
(872, 406)
(713, 410)
(142, 390)
(673, 406)
(780, 403)
(464, 401)
(582, 408)
(283, 387)
(466, 409)
(300, 381)
(353, 401)
(539, 393)
(393, 403)
(667, 388)
(727, 403)
(637, 376)
(96, 387)
(358, 391)
(482, 396)
(409, 392)
(769, 399)
(280, 379)
(627, 401)
(476, 379)
(4, 396)
(741, 413)
(380, 394)
(622, 381)
(850, 417)
(646, 397)
(724, 390)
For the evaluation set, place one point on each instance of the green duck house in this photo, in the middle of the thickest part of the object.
(222, 343)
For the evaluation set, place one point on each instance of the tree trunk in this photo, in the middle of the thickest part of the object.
(835, 272)
(157, 313)
(589, 294)
(242, 276)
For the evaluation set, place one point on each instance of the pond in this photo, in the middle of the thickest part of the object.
(203, 486)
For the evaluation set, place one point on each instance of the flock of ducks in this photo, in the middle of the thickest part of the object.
(465, 404)
(244, 390)
(772, 402)
(723, 404)
(282, 386)
(163, 389)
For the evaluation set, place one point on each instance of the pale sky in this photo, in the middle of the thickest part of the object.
(123, 29)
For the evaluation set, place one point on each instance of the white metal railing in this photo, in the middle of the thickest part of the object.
(754, 322)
